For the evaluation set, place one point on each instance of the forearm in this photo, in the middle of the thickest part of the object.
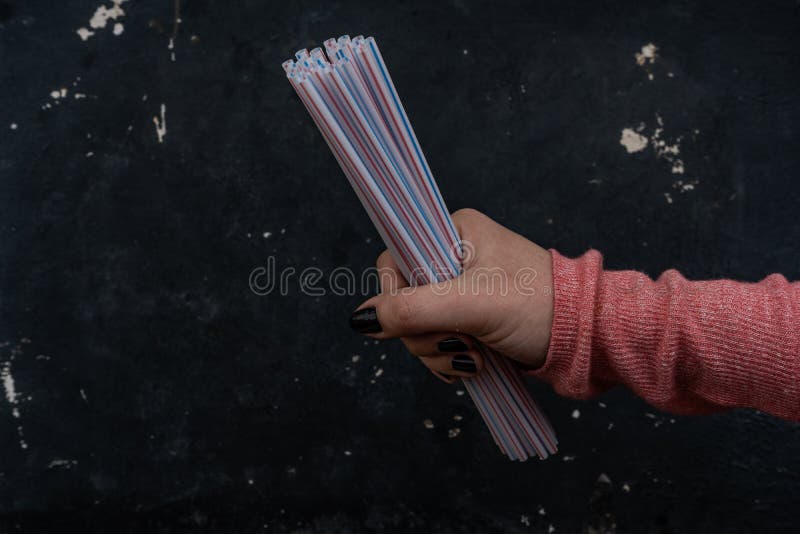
(685, 347)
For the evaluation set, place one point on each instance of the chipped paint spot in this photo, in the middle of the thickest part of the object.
(632, 141)
(63, 464)
(636, 141)
(683, 187)
(84, 34)
(99, 20)
(9, 386)
(10, 389)
(648, 55)
(102, 14)
(13, 126)
(576, 414)
(161, 125)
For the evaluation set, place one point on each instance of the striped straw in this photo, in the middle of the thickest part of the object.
(350, 95)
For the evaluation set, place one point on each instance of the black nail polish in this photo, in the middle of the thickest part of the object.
(464, 363)
(365, 321)
(452, 344)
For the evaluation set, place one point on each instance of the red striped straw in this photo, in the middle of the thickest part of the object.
(348, 92)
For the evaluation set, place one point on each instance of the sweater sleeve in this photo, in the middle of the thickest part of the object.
(683, 346)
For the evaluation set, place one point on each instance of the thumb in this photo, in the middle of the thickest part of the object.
(440, 307)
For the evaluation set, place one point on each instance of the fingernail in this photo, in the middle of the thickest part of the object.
(365, 321)
(464, 363)
(452, 344)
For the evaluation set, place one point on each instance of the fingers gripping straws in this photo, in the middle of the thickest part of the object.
(348, 92)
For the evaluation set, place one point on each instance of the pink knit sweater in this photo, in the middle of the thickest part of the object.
(684, 347)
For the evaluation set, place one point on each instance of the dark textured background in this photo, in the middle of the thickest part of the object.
(124, 275)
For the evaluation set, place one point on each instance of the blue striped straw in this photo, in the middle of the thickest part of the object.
(350, 95)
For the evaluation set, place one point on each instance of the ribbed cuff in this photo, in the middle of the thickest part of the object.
(575, 283)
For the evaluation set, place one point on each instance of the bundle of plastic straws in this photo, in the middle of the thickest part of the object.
(350, 95)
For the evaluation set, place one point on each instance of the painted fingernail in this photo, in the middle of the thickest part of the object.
(464, 363)
(365, 321)
(452, 344)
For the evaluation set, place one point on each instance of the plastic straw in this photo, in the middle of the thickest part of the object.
(350, 95)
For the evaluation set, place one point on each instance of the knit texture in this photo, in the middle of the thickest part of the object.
(684, 347)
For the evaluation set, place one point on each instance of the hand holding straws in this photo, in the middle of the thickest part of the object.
(353, 101)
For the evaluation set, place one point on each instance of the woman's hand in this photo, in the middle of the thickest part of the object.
(503, 298)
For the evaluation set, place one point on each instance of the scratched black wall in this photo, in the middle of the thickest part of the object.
(147, 388)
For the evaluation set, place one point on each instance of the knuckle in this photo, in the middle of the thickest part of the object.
(465, 214)
(402, 312)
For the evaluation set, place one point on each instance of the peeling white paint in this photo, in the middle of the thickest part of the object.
(636, 141)
(161, 125)
(84, 34)
(102, 14)
(8, 385)
(683, 187)
(64, 464)
(632, 141)
(648, 55)
(10, 389)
